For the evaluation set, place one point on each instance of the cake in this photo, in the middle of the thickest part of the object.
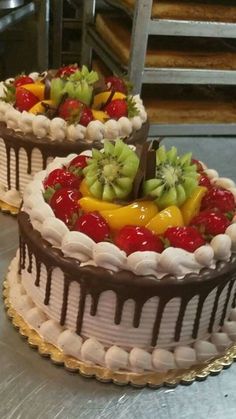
(56, 113)
(132, 268)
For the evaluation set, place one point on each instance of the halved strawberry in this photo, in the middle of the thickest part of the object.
(220, 199)
(67, 70)
(117, 108)
(210, 222)
(187, 238)
(25, 100)
(65, 205)
(117, 84)
(21, 80)
(72, 110)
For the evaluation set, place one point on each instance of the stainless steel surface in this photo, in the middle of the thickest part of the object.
(32, 388)
(10, 4)
(192, 129)
(17, 15)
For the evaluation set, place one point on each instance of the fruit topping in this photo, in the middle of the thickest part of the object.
(77, 164)
(187, 238)
(60, 178)
(65, 206)
(21, 80)
(198, 165)
(89, 204)
(117, 108)
(38, 89)
(67, 70)
(73, 110)
(138, 214)
(210, 223)
(117, 84)
(175, 178)
(168, 217)
(219, 199)
(134, 239)
(192, 205)
(94, 225)
(24, 99)
(110, 174)
(204, 180)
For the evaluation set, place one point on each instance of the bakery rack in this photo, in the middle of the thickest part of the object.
(144, 25)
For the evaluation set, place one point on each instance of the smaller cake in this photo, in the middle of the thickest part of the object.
(59, 112)
(126, 259)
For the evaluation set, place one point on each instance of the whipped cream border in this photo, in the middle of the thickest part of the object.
(58, 130)
(90, 350)
(174, 261)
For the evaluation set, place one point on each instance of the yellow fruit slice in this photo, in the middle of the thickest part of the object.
(37, 89)
(39, 108)
(100, 115)
(84, 190)
(101, 98)
(169, 217)
(191, 207)
(138, 214)
(92, 204)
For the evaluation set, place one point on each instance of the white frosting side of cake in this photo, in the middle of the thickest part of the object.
(91, 350)
(13, 196)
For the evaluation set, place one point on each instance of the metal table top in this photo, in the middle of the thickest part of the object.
(33, 388)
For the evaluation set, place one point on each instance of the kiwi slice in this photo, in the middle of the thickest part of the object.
(175, 180)
(110, 173)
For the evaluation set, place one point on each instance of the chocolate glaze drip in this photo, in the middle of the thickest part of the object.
(30, 256)
(15, 140)
(126, 285)
(38, 272)
(230, 286)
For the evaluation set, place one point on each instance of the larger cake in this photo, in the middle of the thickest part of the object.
(132, 268)
(58, 112)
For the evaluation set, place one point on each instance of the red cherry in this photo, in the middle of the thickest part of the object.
(67, 70)
(78, 164)
(65, 205)
(198, 164)
(210, 222)
(25, 99)
(93, 225)
(187, 238)
(60, 178)
(220, 199)
(116, 84)
(133, 239)
(21, 80)
(204, 181)
(117, 108)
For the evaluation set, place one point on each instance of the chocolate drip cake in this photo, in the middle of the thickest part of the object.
(58, 112)
(133, 269)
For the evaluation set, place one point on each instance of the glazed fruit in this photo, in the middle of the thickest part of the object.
(38, 89)
(198, 165)
(65, 206)
(187, 238)
(67, 70)
(93, 225)
(210, 223)
(168, 217)
(24, 99)
(204, 181)
(135, 239)
(110, 174)
(220, 199)
(116, 84)
(21, 80)
(77, 164)
(73, 110)
(138, 213)
(60, 178)
(175, 178)
(192, 205)
(89, 204)
(117, 108)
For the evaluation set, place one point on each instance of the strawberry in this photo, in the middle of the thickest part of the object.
(93, 225)
(210, 223)
(204, 180)
(21, 80)
(116, 84)
(65, 205)
(25, 99)
(198, 164)
(220, 199)
(67, 70)
(72, 110)
(187, 238)
(133, 239)
(60, 178)
(77, 165)
(117, 108)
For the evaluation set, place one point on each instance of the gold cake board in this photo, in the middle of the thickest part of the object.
(8, 209)
(151, 379)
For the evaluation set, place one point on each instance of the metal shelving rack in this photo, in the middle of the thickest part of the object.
(144, 25)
